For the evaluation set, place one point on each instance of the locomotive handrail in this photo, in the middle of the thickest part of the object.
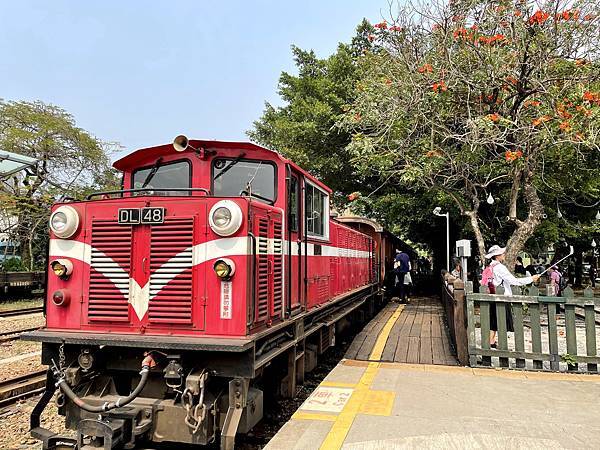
(124, 191)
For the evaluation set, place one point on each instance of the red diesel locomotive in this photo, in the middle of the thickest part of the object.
(170, 300)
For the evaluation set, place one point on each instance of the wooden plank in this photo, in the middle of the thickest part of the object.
(355, 346)
(590, 335)
(517, 311)
(413, 350)
(571, 331)
(436, 326)
(577, 301)
(367, 346)
(536, 333)
(392, 343)
(484, 319)
(411, 314)
(512, 354)
(471, 330)
(415, 330)
(553, 337)
(502, 334)
(359, 340)
(426, 325)
(438, 351)
(401, 354)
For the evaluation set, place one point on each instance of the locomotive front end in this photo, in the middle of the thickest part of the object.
(147, 311)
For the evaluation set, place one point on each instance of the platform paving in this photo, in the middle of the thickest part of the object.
(396, 405)
(373, 404)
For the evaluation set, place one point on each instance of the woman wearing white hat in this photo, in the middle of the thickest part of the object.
(497, 274)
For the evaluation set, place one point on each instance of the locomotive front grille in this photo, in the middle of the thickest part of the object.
(171, 267)
(110, 271)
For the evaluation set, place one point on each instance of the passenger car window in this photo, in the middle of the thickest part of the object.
(317, 211)
(235, 177)
(175, 175)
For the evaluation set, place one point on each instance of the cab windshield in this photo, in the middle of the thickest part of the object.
(162, 177)
(232, 177)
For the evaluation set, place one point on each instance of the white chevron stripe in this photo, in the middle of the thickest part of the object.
(139, 296)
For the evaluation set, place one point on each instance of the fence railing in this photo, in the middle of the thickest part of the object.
(533, 331)
(453, 299)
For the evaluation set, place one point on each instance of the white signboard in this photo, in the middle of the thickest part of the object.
(226, 299)
(327, 399)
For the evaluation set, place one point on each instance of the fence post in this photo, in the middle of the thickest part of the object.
(460, 323)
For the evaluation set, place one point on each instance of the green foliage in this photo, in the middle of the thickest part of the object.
(71, 162)
(473, 98)
(571, 360)
(304, 128)
(13, 265)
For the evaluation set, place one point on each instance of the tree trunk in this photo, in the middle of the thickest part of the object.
(472, 215)
(526, 228)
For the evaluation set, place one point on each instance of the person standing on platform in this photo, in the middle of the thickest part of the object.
(555, 280)
(592, 274)
(402, 267)
(519, 267)
(496, 274)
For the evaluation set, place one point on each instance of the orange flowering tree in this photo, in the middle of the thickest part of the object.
(472, 98)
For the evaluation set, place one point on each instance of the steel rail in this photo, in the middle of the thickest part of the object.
(23, 386)
(21, 312)
(7, 336)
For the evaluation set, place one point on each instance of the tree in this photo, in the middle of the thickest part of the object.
(304, 128)
(477, 97)
(70, 162)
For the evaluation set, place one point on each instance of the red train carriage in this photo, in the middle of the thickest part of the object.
(168, 299)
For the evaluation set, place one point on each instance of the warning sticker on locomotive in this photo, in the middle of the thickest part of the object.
(327, 399)
(226, 302)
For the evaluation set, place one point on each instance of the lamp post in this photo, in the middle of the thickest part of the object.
(438, 212)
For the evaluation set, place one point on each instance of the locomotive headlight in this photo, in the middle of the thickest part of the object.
(224, 268)
(64, 222)
(62, 268)
(222, 217)
(225, 217)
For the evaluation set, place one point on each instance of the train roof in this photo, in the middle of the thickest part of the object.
(132, 160)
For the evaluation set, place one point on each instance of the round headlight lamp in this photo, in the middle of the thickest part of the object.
(225, 217)
(64, 221)
(224, 268)
(222, 217)
(62, 268)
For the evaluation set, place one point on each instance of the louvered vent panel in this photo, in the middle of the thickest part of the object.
(277, 270)
(262, 268)
(171, 271)
(109, 277)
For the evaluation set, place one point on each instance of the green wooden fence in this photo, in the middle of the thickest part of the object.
(535, 316)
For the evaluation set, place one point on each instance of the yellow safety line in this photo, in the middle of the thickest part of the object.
(337, 384)
(339, 430)
(385, 333)
(314, 416)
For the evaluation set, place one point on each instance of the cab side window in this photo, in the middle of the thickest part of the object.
(294, 194)
(317, 211)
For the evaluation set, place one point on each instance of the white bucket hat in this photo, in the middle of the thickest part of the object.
(495, 250)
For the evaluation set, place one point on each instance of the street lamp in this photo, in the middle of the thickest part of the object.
(438, 212)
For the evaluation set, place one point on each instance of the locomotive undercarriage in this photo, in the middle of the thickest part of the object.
(190, 396)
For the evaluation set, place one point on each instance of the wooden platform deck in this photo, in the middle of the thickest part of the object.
(419, 335)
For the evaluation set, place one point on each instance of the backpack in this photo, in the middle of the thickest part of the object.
(562, 282)
(487, 279)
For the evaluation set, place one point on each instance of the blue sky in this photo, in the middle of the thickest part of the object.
(140, 73)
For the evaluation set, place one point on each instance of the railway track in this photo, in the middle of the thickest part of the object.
(22, 387)
(21, 312)
(7, 336)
